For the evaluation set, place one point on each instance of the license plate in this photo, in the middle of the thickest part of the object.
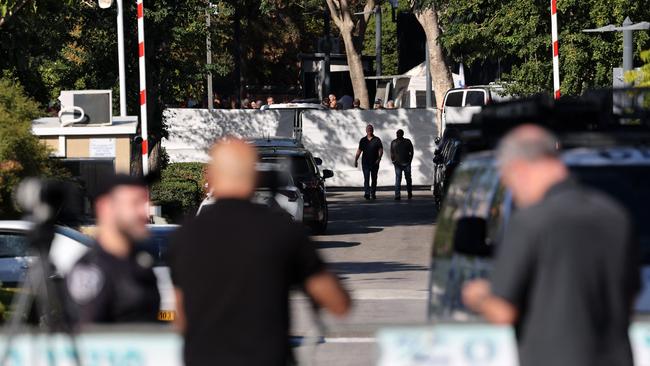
(166, 315)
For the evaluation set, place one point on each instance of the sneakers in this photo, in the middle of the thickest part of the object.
(410, 195)
(366, 196)
(373, 197)
(397, 198)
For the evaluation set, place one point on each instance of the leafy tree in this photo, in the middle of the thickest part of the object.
(641, 77)
(353, 30)
(21, 154)
(517, 32)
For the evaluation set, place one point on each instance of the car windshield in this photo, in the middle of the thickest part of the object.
(629, 185)
(298, 164)
(13, 245)
(157, 244)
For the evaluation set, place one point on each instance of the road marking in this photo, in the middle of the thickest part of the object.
(378, 294)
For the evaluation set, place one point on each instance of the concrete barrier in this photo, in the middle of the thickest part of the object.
(334, 137)
(193, 131)
(331, 135)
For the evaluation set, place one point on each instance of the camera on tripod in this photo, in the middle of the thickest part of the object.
(48, 201)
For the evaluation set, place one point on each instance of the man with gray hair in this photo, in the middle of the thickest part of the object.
(565, 274)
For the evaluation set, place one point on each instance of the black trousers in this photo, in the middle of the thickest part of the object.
(370, 173)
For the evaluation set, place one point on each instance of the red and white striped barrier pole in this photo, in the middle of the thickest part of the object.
(556, 50)
(143, 90)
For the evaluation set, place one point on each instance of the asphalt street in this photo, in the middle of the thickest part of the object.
(380, 249)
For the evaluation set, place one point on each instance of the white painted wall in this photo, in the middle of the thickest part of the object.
(334, 137)
(331, 135)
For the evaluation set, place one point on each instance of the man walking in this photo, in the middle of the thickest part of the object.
(114, 283)
(371, 148)
(401, 154)
(566, 273)
(233, 266)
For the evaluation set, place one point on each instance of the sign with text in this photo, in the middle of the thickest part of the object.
(448, 344)
(96, 349)
(101, 148)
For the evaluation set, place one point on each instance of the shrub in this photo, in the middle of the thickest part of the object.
(180, 189)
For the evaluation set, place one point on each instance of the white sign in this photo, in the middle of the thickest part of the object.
(102, 148)
(448, 344)
(105, 349)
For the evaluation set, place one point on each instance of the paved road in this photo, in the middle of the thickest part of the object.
(381, 251)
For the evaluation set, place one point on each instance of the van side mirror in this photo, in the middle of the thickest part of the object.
(318, 161)
(470, 237)
(327, 173)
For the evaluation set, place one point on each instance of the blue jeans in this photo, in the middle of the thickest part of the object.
(398, 179)
(370, 172)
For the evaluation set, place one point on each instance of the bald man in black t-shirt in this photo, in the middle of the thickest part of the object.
(372, 149)
(233, 266)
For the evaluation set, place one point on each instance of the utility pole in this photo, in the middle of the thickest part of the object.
(628, 48)
(327, 49)
(237, 52)
(208, 48)
(427, 67)
(120, 57)
(378, 39)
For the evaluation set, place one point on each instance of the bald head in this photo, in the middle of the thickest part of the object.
(232, 171)
(529, 143)
(529, 161)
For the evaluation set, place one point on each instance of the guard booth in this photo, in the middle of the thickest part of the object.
(88, 140)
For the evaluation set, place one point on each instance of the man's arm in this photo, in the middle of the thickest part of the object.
(381, 153)
(392, 151)
(179, 321)
(478, 297)
(411, 154)
(356, 158)
(326, 290)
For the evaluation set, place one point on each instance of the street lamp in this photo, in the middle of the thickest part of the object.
(628, 29)
(105, 4)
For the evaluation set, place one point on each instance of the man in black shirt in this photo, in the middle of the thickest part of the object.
(401, 154)
(233, 266)
(372, 149)
(566, 274)
(114, 283)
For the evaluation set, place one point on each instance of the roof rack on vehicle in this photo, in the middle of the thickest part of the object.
(597, 118)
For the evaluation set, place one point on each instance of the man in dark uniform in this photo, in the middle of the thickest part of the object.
(401, 154)
(566, 273)
(371, 148)
(233, 267)
(113, 283)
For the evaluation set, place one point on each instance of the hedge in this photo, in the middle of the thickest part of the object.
(180, 190)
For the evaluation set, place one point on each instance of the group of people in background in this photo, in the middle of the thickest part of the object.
(250, 102)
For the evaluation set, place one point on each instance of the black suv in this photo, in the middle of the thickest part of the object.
(306, 174)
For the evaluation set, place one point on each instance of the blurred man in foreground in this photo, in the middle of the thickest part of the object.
(113, 283)
(233, 267)
(566, 273)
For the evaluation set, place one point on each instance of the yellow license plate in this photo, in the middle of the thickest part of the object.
(166, 315)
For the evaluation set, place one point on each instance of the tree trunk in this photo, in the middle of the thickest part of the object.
(440, 73)
(356, 69)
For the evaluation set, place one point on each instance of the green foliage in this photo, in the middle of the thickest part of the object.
(640, 77)
(389, 61)
(518, 32)
(180, 189)
(21, 154)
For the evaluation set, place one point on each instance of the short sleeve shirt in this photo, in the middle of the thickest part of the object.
(568, 265)
(235, 264)
(370, 149)
(107, 289)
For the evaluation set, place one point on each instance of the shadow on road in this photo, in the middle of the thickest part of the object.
(373, 267)
(336, 244)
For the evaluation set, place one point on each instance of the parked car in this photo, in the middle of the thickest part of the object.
(446, 158)
(304, 168)
(275, 188)
(68, 246)
(157, 246)
(478, 204)
(461, 104)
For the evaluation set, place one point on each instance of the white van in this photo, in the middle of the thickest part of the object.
(461, 104)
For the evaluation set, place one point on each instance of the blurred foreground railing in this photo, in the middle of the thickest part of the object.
(456, 344)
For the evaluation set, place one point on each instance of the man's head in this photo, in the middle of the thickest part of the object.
(400, 133)
(390, 104)
(378, 104)
(232, 173)
(332, 98)
(529, 162)
(122, 207)
(270, 100)
(356, 103)
(370, 130)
